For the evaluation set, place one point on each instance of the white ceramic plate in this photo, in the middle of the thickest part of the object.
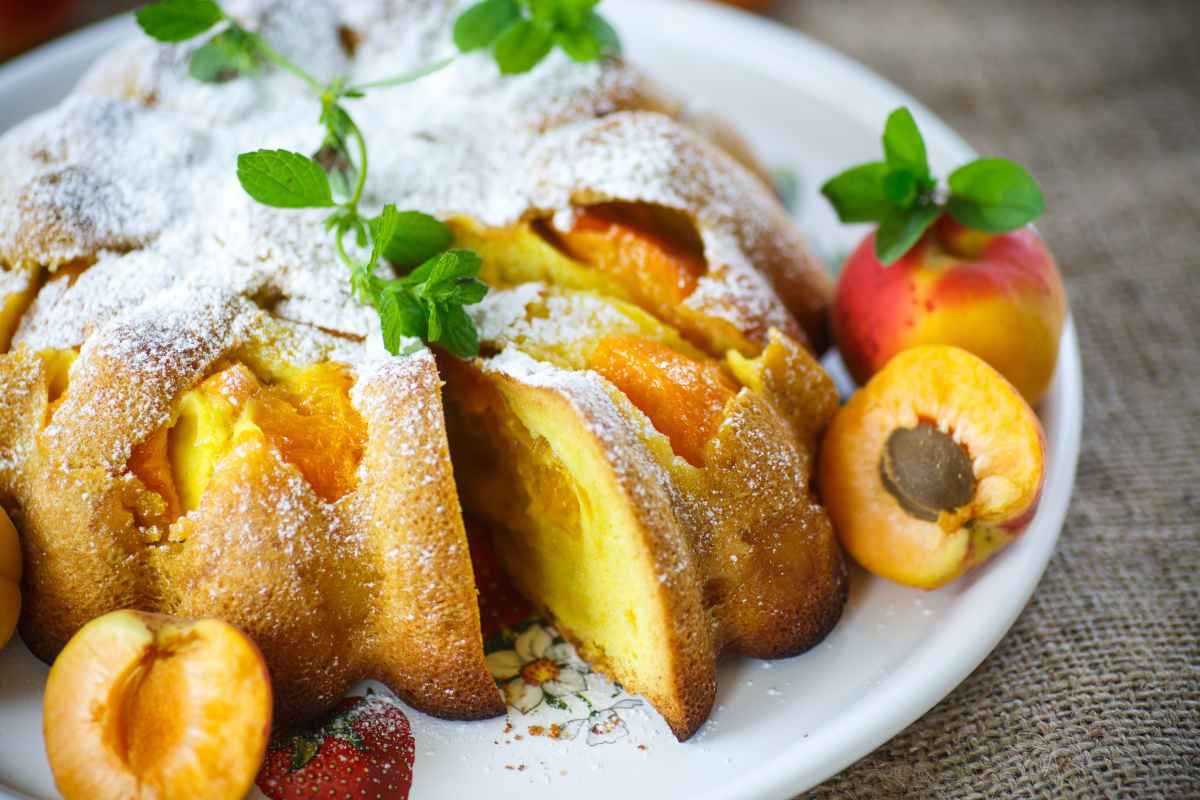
(778, 727)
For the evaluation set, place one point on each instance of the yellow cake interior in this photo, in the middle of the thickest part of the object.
(565, 533)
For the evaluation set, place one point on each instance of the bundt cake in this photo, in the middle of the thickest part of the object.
(198, 418)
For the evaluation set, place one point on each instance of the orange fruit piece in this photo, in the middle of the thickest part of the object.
(151, 462)
(310, 420)
(658, 270)
(932, 467)
(683, 397)
(143, 705)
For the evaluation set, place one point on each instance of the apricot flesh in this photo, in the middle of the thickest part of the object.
(932, 467)
(10, 578)
(658, 269)
(141, 705)
(305, 413)
(683, 397)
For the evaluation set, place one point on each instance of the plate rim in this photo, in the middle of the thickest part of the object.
(943, 661)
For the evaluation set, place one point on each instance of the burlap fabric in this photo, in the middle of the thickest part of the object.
(1096, 690)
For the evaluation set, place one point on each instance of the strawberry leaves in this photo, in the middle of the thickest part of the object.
(900, 193)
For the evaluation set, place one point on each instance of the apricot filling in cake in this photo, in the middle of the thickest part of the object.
(649, 256)
(305, 414)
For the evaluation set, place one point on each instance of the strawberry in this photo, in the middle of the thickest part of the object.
(362, 751)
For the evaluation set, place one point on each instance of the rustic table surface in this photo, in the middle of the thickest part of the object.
(1096, 690)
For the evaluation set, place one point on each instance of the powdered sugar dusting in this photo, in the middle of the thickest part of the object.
(142, 158)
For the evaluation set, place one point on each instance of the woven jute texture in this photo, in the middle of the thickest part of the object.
(1096, 690)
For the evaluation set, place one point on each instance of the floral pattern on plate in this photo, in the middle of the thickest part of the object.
(536, 668)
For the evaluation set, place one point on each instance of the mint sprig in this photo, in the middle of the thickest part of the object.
(990, 194)
(521, 33)
(428, 302)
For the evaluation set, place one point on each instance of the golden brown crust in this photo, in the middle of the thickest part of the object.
(377, 585)
(777, 580)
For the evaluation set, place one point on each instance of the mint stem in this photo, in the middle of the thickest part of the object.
(281, 61)
(404, 77)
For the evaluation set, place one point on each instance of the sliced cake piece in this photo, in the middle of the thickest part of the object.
(654, 502)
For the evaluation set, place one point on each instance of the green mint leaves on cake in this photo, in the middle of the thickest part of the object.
(901, 195)
(428, 302)
(283, 179)
(179, 20)
(521, 33)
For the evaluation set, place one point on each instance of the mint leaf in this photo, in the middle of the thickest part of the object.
(604, 33)
(453, 265)
(522, 46)
(230, 53)
(400, 315)
(336, 120)
(579, 43)
(465, 292)
(458, 334)
(900, 230)
(994, 195)
(479, 25)
(419, 237)
(573, 13)
(901, 189)
(903, 147)
(383, 231)
(178, 20)
(858, 194)
(284, 179)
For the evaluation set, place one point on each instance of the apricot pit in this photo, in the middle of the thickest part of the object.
(926, 471)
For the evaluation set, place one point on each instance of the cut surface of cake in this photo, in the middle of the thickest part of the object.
(653, 501)
(198, 418)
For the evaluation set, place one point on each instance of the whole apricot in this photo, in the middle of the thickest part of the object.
(998, 296)
(10, 578)
(143, 705)
(932, 467)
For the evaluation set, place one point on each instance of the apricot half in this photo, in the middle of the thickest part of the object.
(660, 268)
(10, 578)
(143, 705)
(932, 467)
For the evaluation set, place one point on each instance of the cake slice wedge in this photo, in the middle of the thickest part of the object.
(653, 502)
